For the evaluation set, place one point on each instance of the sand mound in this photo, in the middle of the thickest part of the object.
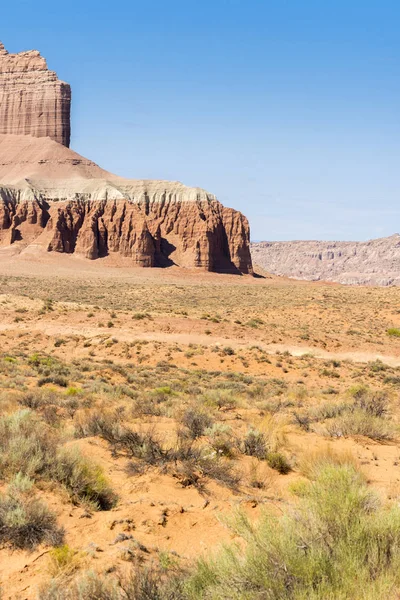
(24, 157)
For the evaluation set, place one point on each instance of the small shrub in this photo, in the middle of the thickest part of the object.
(27, 445)
(221, 439)
(374, 403)
(254, 444)
(84, 480)
(64, 560)
(279, 462)
(54, 379)
(362, 423)
(196, 421)
(25, 521)
(393, 332)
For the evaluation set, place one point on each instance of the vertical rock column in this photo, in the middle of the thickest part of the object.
(33, 101)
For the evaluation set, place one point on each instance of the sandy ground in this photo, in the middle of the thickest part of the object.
(264, 327)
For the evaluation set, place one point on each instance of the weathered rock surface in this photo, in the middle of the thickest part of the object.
(33, 101)
(53, 198)
(375, 262)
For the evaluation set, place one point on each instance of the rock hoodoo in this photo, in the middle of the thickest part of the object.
(33, 101)
(52, 198)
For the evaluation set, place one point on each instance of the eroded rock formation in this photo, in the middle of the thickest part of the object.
(150, 228)
(33, 101)
(53, 199)
(375, 262)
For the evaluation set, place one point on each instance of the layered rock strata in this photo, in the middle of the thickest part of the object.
(375, 262)
(52, 198)
(93, 213)
(33, 101)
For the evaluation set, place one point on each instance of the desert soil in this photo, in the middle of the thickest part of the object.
(276, 347)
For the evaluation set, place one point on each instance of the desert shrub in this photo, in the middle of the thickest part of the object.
(393, 332)
(89, 587)
(220, 399)
(54, 379)
(303, 420)
(339, 543)
(359, 422)
(221, 439)
(312, 463)
(27, 445)
(218, 469)
(84, 480)
(25, 521)
(196, 421)
(329, 410)
(255, 444)
(279, 462)
(373, 402)
(63, 560)
(142, 445)
(36, 399)
(141, 584)
(96, 423)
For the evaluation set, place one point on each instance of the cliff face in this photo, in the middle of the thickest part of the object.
(375, 262)
(151, 229)
(53, 199)
(33, 101)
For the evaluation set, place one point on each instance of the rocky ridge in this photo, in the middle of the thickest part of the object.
(374, 262)
(55, 200)
(33, 101)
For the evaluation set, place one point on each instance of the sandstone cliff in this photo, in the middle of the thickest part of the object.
(53, 198)
(375, 262)
(33, 101)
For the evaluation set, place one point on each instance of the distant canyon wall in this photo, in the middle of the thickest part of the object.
(375, 262)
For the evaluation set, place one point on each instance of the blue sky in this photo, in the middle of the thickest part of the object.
(287, 110)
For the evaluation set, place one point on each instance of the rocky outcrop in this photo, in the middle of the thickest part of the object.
(375, 262)
(154, 224)
(33, 101)
(53, 199)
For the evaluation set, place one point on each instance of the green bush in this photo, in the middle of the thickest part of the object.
(254, 444)
(25, 521)
(393, 331)
(279, 462)
(359, 422)
(27, 445)
(339, 544)
(84, 480)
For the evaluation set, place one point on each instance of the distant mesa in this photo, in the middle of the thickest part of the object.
(375, 262)
(53, 199)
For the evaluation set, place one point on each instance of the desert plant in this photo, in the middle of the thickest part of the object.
(254, 444)
(339, 543)
(359, 422)
(279, 462)
(27, 445)
(25, 521)
(197, 421)
(84, 480)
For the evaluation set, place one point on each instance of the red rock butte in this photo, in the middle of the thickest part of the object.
(53, 199)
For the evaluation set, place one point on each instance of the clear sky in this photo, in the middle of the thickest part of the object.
(287, 110)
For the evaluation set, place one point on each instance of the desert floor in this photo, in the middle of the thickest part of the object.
(194, 361)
